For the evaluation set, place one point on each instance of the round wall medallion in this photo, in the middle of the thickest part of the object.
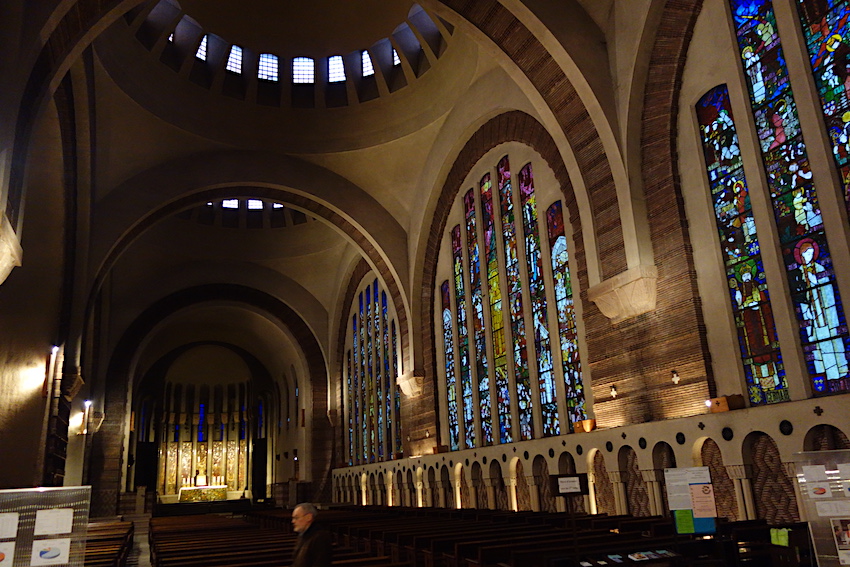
(786, 427)
(551, 453)
(609, 446)
(727, 433)
(579, 449)
(642, 443)
(484, 461)
(680, 438)
(525, 455)
(466, 462)
(504, 458)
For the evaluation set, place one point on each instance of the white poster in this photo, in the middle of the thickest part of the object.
(702, 496)
(54, 521)
(8, 525)
(568, 485)
(678, 491)
(7, 553)
(51, 551)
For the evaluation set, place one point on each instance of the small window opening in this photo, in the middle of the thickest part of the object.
(267, 69)
(396, 58)
(230, 204)
(366, 64)
(336, 70)
(303, 70)
(234, 61)
(202, 50)
(255, 204)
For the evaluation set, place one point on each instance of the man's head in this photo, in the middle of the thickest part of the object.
(303, 516)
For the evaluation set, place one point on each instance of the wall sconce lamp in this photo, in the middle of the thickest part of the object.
(613, 391)
(86, 412)
(674, 376)
(427, 434)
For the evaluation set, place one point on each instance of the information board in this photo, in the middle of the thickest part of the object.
(44, 526)
(824, 481)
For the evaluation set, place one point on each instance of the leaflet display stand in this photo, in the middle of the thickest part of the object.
(44, 526)
(824, 481)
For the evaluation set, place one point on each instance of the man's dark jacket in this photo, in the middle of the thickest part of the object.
(313, 548)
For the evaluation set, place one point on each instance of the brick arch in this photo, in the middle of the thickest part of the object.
(514, 126)
(560, 95)
(106, 461)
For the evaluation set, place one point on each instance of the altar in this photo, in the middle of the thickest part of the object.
(202, 493)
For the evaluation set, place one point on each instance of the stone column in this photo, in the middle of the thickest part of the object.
(740, 475)
(512, 500)
(653, 479)
(591, 497)
(420, 494)
(620, 501)
(534, 492)
(473, 494)
(491, 493)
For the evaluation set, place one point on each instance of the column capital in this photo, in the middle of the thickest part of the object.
(652, 475)
(615, 476)
(737, 472)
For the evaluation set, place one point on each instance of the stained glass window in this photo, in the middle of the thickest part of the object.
(372, 392)
(464, 369)
(514, 281)
(567, 330)
(398, 369)
(389, 377)
(351, 421)
(379, 377)
(825, 25)
(539, 313)
(497, 326)
(763, 368)
(451, 382)
(480, 335)
(814, 293)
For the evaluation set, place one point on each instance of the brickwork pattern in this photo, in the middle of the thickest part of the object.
(773, 490)
(602, 484)
(637, 494)
(724, 487)
(523, 491)
(544, 488)
(828, 438)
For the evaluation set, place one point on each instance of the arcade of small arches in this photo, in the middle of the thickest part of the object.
(754, 477)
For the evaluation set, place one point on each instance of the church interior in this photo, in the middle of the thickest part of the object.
(423, 254)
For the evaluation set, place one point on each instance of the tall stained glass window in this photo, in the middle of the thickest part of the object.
(762, 360)
(465, 372)
(539, 313)
(451, 382)
(514, 280)
(825, 25)
(567, 330)
(814, 293)
(497, 324)
(480, 335)
(507, 275)
(372, 395)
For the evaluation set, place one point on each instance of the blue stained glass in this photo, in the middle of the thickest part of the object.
(480, 335)
(823, 330)
(388, 377)
(825, 25)
(567, 330)
(397, 369)
(351, 421)
(379, 379)
(497, 326)
(468, 404)
(760, 354)
(523, 382)
(355, 395)
(451, 382)
(537, 292)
